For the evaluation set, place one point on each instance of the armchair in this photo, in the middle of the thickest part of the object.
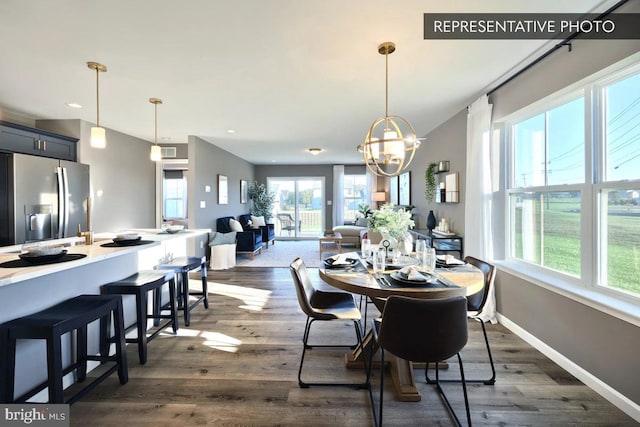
(248, 242)
(268, 230)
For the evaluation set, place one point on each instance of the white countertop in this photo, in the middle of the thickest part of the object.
(94, 253)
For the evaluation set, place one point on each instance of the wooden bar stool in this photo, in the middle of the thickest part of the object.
(181, 267)
(140, 284)
(74, 314)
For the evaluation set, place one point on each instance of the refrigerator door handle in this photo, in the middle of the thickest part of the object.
(61, 201)
(65, 181)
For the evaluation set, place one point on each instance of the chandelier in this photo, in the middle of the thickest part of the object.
(391, 142)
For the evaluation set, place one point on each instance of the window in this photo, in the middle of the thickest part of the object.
(549, 152)
(174, 194)
(354, 194)
(574, 185)
(619, 197)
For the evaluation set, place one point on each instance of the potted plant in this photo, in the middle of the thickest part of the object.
(430, 182)
(262, 200)
(391, 223)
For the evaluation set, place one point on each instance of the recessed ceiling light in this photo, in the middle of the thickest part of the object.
(314, 151)
(73, 105)
(231, 131)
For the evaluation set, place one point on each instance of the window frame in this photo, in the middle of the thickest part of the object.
(588, 287)
(345, 199)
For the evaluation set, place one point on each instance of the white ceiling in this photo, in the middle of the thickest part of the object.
(285, 74)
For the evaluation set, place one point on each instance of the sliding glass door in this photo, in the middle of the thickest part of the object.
(299, 206)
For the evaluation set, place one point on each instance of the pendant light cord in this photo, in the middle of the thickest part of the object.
(97, 97)
(156, 132)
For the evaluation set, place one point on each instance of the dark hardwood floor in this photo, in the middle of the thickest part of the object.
(237, 365)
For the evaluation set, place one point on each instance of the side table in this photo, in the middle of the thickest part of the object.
(330, 243)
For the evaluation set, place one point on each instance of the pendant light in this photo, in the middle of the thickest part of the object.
(156, 152)
(391, 142)
(98, 134)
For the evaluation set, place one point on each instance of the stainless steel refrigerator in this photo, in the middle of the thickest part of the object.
(41, 198)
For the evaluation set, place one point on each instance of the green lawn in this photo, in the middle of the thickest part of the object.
(561, 247)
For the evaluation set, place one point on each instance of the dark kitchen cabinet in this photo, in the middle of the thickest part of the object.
(16, 138)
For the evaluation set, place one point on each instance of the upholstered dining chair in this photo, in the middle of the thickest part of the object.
(475, 305)
(442, 333)
(324, 306)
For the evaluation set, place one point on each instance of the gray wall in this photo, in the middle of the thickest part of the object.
(122, 176)
(446, 142)
(206, 163)
(603, 345)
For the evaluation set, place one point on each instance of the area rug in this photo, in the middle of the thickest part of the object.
(283, 253)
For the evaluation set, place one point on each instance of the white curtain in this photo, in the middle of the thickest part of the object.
(338, 199)
(372, 187)
(478, 199)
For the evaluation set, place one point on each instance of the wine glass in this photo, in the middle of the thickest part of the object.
(429, 260)
(421, 245)
(365, 246)
(379, 262)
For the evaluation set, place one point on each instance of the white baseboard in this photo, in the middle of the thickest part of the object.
(616, 398)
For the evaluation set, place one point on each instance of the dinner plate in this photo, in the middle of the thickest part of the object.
(402, 277)
(39, 259)
(126, 242)
(328, 262)
(443, 264)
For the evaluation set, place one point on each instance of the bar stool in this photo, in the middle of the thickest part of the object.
(74, 314)
(181, 267)
(140, 284)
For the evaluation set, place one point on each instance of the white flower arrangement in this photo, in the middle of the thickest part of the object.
(386, 220)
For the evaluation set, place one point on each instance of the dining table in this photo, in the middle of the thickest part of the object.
(357, 277)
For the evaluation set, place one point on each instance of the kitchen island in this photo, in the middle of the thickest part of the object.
(26, 290)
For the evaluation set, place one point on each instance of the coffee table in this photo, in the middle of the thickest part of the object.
(330, 243)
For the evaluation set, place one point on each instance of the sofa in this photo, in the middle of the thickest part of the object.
(249, 242)
(268, 230)
(353, 234)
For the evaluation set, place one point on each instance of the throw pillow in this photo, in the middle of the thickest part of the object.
(235, 225)
(257, 221)
(223, 239)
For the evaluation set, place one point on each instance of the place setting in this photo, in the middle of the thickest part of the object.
(36, 254)
(342, 263)
(126, 239)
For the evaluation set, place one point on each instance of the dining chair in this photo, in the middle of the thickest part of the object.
(324, 306)
(475, 305)
(442, 333)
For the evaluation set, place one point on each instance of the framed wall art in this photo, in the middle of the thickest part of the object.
(244, 191)
(223, 190)
(404, 188)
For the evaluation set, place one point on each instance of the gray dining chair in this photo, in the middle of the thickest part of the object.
(475, 305)
(442, 333)
(324, 306)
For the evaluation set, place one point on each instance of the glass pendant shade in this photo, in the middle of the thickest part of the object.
(156, 153)
(98, 138)
(98, 134)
